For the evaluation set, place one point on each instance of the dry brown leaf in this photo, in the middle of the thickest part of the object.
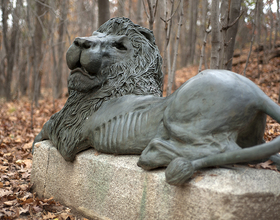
(28, 163)
(24, 187)
(4, 192)
(49, 216)
(64, 216)
(37, 209)
(198, 178)
(25, 175)
(266, 164)
(27, 146)
(38, 144)
(24, 210)
(10, 203)
(3, 168)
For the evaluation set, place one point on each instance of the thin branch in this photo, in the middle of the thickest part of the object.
(155, 6)
(48, 6)
(146, 9)
(252, 40)
(231, 24)
(168, 19)
(207, 31)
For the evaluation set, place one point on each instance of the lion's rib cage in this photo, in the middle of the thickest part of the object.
(114, 134)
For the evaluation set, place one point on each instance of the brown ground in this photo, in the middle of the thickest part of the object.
(16, 136)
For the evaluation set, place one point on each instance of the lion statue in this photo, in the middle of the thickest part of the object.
(115, 105)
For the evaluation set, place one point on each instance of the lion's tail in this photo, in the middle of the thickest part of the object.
(180, 169)
(269, 107)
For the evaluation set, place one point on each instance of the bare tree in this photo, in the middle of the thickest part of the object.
(103, 11)
(252, 39)
(224, 11)
(9, 42)
(61, 47)
(259, 7)
(234, 15)
(151, 12)
(276, 31)
(202, 54)
(167, 30)
(139, 13)
(121, 8)
(215, 42)
(192, 30)
(129, 8)
(37, 44)
(171, 75)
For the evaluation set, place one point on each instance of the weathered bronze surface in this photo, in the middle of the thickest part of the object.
(115, 106)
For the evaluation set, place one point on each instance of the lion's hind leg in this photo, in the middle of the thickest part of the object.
(158, 153)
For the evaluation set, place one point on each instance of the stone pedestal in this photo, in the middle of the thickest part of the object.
(101, 186)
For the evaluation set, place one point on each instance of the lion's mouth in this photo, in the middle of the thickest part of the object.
(83, 71)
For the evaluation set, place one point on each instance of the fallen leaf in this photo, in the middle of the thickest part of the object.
(37, 144)
(3, 168)
(28, 163)
(25, 175)
(266, 164)
(4, 192)
(198, 178)
(10, 203)
(47, 200)
(20, 162)
(37, 209)
(27, 146)
(49, 216)
(64, 216)
(24, 210)
(24, 187)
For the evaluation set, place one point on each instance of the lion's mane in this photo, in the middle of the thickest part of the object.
(140, 75)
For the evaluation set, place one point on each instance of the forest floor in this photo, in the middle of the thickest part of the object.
(17, 201)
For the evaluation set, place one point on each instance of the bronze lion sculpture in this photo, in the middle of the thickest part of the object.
(115, 106)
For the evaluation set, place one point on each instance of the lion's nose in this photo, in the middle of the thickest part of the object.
(84, 43)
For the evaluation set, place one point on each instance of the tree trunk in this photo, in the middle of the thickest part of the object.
(61, 46)
(259, 7)
(23, 76)
(192, 42)
(37, 50)
(130, 8)
(183, 40)
(152, 5)
(139, 13)
(232, 31)
(10, 44)
(93, 17)
(121, 8)
(103, 11)
(277, 24)
(171, 75)
(215, 42)
(224, 11)
(252, 39)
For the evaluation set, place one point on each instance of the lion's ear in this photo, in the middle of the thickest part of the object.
(147, 34)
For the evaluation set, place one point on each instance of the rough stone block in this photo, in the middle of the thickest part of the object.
(101, 186)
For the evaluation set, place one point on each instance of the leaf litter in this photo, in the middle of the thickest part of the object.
(17, 201)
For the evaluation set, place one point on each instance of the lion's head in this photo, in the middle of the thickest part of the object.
(120, 58)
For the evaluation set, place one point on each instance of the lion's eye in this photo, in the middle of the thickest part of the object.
(119, 46)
